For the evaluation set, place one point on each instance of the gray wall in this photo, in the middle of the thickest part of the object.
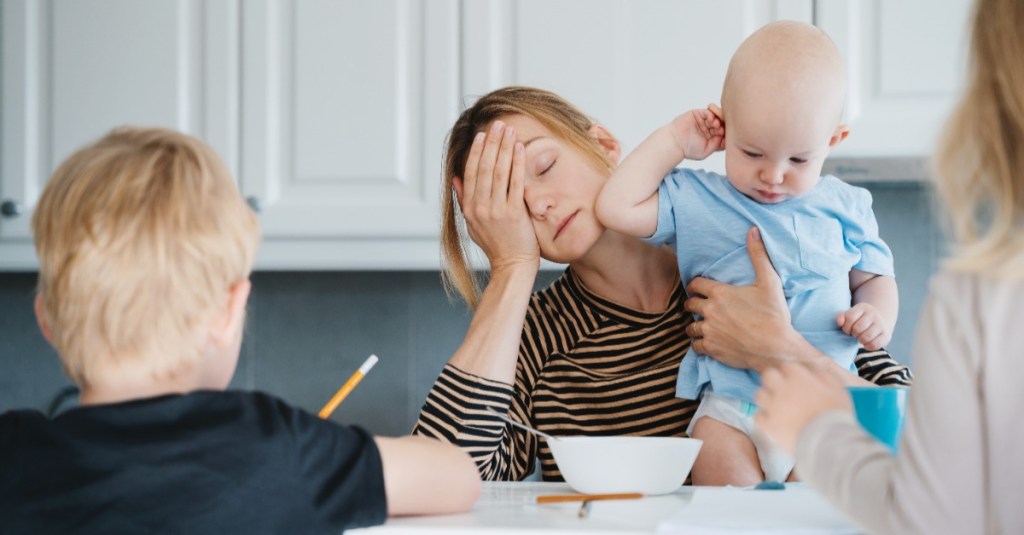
(308, 331)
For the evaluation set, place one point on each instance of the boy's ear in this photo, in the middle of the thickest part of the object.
(607, 141)
(231, 319)
(838, 136)
(41, 319)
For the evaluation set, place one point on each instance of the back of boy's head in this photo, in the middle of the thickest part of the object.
(140, 236)
(786, 64)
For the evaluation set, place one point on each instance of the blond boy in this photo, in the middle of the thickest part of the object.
(145, 247)
(781, 107)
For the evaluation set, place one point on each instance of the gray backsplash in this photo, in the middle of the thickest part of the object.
(308, 331)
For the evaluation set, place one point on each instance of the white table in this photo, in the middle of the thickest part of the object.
(511, 509)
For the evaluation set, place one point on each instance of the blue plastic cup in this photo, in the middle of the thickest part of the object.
(880, 410)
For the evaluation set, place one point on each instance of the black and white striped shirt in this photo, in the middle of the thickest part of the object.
(586, 366)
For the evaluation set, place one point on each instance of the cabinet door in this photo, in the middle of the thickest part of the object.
(906, 62)
(632, 66)
(345, 107)
(71, 71)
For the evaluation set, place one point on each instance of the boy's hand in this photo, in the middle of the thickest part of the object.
(699, 133)
(864, 322)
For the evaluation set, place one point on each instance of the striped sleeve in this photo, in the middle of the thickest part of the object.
(456, 411)
(881, 369)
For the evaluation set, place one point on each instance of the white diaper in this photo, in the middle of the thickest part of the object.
(775, 463)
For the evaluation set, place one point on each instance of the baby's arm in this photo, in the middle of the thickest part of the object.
(872, 317)
(629, 201)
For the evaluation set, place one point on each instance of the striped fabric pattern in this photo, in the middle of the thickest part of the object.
(586, 366)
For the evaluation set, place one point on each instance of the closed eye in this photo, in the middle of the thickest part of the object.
(752, 154)
(798, 160)
(548, 168)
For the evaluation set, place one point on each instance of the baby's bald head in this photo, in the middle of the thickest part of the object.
(788, 67)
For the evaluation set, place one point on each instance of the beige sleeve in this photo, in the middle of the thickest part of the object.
(935, 484)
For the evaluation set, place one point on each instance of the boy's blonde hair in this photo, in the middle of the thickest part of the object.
(980, 159)
(140, 236)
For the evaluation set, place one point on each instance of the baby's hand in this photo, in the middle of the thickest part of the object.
(864, 322)
(699, 132)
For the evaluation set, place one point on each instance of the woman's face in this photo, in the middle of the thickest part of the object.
(561, 190)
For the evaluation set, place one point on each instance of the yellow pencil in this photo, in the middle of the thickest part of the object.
(555, 498)
(348, 386)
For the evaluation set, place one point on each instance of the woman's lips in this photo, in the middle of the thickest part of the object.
(564, 224)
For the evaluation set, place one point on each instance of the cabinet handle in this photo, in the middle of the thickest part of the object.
(254, 203)
(10, 208)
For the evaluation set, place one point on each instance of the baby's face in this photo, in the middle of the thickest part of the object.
(774, 153)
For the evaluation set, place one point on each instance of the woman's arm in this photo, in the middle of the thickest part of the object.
(458, 411)
(750, 327)
(937, 482)
(491, 197)
(878, 367)
(480, 374)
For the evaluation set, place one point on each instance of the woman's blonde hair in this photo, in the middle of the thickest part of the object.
(563, 119)
(140, 236)
(980, 160)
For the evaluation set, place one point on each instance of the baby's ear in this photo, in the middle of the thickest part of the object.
(838, 136)
(607, 141)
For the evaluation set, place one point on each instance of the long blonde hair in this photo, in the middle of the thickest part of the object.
(140, 236)
(563, 119)
(980, 160)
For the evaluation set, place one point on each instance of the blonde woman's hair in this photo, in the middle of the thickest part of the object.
(980, 160)
(140, 236)
(563, 119)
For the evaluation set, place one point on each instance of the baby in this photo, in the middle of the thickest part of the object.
(781, 107)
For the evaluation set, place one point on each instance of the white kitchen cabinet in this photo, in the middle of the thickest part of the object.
(345, 109)
(73, 70)
(631, 66)
(333, 113)
(906, 63)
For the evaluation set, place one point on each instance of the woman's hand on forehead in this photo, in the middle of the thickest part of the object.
(491, 196)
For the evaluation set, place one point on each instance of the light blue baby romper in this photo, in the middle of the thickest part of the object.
(813, 241)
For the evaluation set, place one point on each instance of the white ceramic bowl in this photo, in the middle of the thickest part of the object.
(599, 465)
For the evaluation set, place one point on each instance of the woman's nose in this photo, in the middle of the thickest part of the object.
(538, 201)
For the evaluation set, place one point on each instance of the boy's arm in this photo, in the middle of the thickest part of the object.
(424, 476)
(628, 203)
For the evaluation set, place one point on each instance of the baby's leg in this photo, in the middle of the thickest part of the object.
(727, 456)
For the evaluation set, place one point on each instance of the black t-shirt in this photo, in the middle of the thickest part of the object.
(204, 462)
